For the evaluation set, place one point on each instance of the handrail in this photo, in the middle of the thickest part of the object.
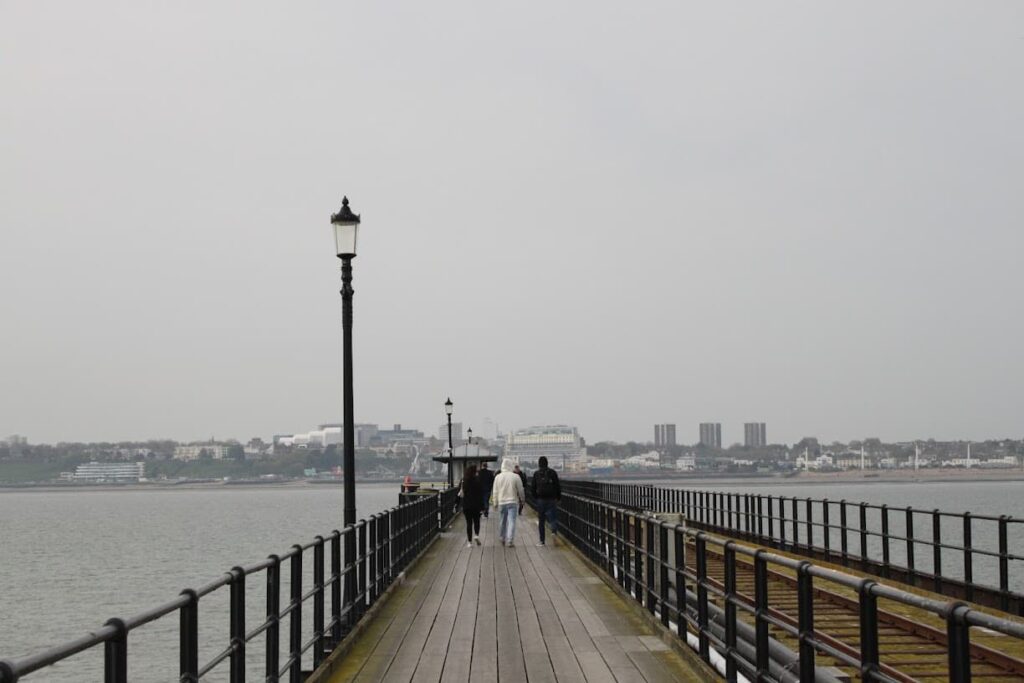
(646, 556)
(397, 537)
(844, 532)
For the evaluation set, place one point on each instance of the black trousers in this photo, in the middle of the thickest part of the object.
(472, 523)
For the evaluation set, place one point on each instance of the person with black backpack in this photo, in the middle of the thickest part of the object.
(547, 492)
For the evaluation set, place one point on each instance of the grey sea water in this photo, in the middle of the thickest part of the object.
(70, 560)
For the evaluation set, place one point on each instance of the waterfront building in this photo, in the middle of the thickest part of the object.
(664, 435)
(754, 435)
(110, 471)
(389, 436)
(711, 434)
(442, 433)
(193, 451)
(562, 445)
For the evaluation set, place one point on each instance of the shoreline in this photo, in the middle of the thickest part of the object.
(802, 479)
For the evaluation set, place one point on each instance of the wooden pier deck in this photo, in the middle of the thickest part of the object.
(526, 613)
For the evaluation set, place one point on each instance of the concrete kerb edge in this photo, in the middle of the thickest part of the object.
(678, 646)
(324, 672)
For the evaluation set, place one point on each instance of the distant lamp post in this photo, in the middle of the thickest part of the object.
(451, 453)
(346, 229)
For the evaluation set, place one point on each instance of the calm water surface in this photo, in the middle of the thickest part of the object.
(70, 560)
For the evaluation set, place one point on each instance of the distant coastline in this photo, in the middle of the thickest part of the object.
(702, 480)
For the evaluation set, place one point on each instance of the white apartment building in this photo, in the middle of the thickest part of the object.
(193, 451)
(110, 471)
(561, 445)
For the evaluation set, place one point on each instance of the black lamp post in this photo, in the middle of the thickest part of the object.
(469, 440)
(346, 228)
(451, 452)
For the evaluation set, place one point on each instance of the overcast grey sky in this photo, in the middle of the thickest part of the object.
(604, 214)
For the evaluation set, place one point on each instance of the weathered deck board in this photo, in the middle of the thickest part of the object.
(525, 613)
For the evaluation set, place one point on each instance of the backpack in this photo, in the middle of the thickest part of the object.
(547, 483)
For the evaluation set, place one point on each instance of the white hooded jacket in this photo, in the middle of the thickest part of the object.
(508, 487)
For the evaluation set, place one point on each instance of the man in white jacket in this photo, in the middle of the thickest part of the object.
(508, 496)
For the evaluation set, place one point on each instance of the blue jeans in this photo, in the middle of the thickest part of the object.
(547, 509)
(507, 529)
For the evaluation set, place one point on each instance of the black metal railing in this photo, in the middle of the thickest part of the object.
(646, 557)
(961, 555)
(386, 544)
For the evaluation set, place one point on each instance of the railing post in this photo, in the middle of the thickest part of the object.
(188, 633)
(863, 534)
(760, 517)
(730, 610)
(350, 572)
(295, 618)
(968, 559)
(844, 528)
(796, 523)
(115, 654)
(911, 560)
(318, 600)
(771, 520)
(649, 551)
(958, 640)
(702, 596)
(868, 629)
(621, 531)
(273, 647)
(827, 529)
(937, 549)
(638, 560)
(885, 540)
(805, 621)
(372, 575)
(680, 547)
(810, 523)
(237, 619)
(1004, 568)
(760, 616)
(782, 523)
(663, 570)
(336, 586)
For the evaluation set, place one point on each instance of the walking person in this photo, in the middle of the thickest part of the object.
(546, 492)
(522, 478)
(472, 497)
(509, 496)
(487, 484)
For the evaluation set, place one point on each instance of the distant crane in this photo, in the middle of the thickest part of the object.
(415, 460)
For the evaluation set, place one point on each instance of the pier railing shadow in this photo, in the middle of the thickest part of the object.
(386, 543)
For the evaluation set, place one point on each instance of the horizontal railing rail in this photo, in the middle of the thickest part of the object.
(386, 544)
(647, 557)
(960, 555)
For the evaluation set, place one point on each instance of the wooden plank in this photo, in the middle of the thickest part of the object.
(511, 665)
(406, 659)
(484, 665)
(435, 649)
(457, 663)
(372, 654)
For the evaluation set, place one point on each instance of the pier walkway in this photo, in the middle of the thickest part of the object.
(524, 613)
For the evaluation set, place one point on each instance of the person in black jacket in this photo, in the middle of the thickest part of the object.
(526, 484)
(547, 492)
(471, 492)
(486, 484)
